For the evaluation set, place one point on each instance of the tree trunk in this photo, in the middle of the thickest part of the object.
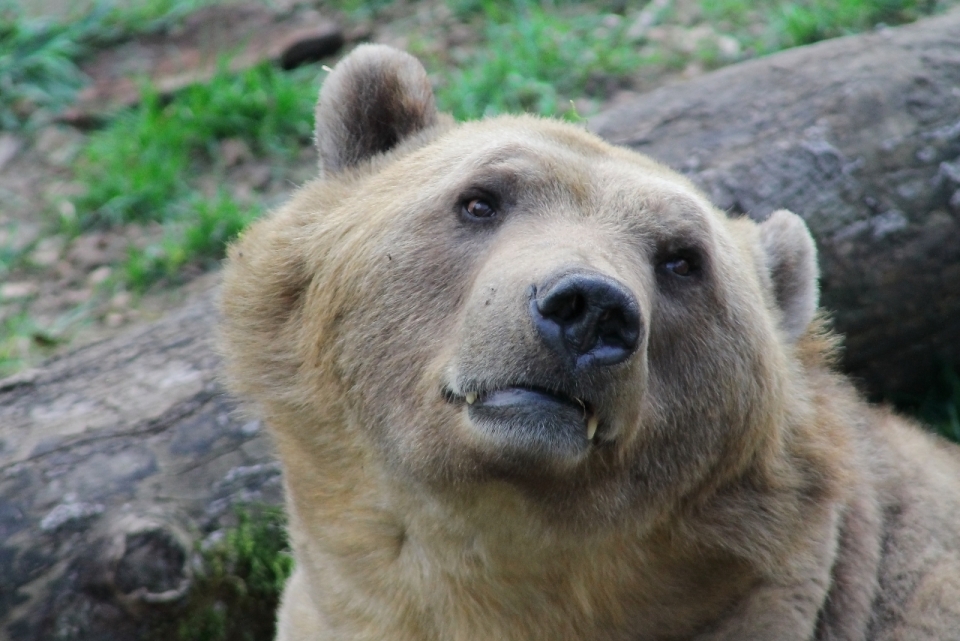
(861, 137)
(114, 460)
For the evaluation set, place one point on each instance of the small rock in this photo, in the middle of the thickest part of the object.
(645, 20)
(114, 320)
(17, 290)
(955, 201)
(76, 296)
(99, 275)
(728, 46)
(17, 236)
(10, 146)
(89, 251)
(68, 211)
(887, 223)
(310, 44)
(234, 151)
(67, 512)
(927, 154)
(951, 171)
(250, 428)
(121, 300)
(59, 145)
(457, 34)
(259, 176)
(611, 21)
(47, 251)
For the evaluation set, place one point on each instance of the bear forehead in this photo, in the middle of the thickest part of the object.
(557, 168)
(546, 160)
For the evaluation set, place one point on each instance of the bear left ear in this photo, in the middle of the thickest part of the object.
(791, 260)
(373, 99)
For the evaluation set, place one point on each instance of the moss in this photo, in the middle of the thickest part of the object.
(238, 582)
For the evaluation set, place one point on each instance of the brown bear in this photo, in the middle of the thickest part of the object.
(527, 385)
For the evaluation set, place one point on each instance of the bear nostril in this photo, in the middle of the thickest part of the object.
(564, 308)
(588, 318)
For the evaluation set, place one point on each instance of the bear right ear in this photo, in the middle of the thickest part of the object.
(791, 261)
(372, 100)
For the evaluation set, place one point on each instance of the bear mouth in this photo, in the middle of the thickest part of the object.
(532, 419)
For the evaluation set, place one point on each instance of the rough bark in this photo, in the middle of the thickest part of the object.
(114, 460)
(861, 137)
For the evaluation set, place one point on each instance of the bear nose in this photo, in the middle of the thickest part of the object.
(588, 318)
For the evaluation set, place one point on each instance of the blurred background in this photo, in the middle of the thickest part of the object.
(138, 136)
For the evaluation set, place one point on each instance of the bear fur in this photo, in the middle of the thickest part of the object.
(527, 385)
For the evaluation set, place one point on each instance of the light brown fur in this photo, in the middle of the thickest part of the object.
(737, 489)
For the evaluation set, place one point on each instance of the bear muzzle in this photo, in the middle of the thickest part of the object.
(545, 402)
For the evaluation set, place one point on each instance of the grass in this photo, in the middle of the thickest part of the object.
(536, 56)
(360, 8)
(535, 60)
(39, 73)
(198, 238)
(789, 24)
(804, 23)
(21, 340)
(141, 167)
(237, 587)
(138, 169)
(15, 334)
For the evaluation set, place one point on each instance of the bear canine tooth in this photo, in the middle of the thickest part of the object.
(471, 398)
(592, 424)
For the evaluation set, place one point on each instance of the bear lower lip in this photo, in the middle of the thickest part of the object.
(533, 422)
(528, 399)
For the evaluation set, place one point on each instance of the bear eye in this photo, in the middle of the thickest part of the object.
(680, 266)
(479, 208)
(683, 264)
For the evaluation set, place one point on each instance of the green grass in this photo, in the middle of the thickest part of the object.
(10, 257)
(535, 60)
(38, 70)
(804, 23)
(39, 73)
(360, 8)
(142, 167)
(139, 168)
(790, 24)
(237, 589)
(22, 342)
(199, 238)
(14, 343)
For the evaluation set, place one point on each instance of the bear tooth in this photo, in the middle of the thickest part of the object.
(471, 398)
(592, 424)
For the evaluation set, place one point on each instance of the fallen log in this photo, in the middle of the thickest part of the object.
(114, 460)
(861, 137)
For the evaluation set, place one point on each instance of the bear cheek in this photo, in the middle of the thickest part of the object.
(391, 360)
(696, 389)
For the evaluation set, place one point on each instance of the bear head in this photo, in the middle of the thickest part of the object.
(514, 303)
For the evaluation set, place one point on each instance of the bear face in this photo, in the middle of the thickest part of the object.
(507, 364)
(515, 299)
